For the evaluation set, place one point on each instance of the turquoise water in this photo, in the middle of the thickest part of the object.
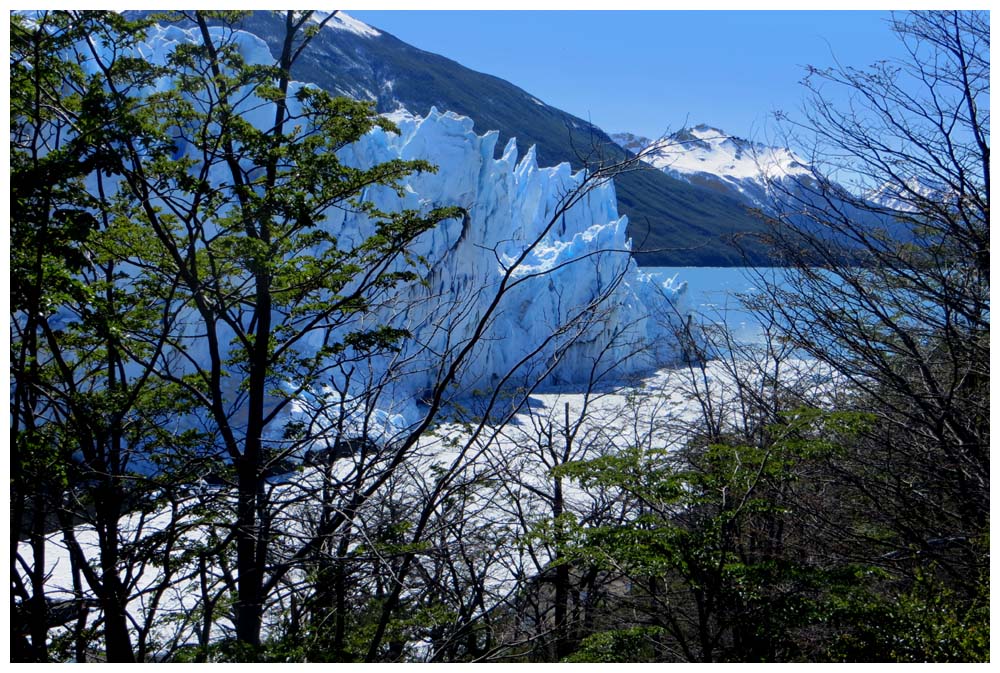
(713, 295)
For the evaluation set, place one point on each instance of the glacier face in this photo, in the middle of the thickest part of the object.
(535, 290)
(569, 271)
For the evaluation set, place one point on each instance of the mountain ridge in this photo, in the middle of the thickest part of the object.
(709, 156)
(672, 222)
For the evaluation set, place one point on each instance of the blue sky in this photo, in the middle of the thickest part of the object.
(652, 71)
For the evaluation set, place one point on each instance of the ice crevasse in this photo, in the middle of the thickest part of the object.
(574, 303)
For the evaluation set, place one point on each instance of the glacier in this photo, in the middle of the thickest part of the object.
(539, 291)
(576, 270)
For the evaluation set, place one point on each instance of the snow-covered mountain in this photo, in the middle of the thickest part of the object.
(711, 158)
(345, 22)
(911, 195)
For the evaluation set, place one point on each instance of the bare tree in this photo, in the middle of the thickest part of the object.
(889, 277)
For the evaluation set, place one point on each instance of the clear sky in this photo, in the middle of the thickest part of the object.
(652, 71)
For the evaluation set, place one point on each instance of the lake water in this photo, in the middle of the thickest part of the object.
(713, 295)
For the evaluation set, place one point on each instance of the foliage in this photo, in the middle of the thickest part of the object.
(707, 552)
(625, 646)
(726, 558)
(890, 287)
(124, 236)
(87, 423)
(929, 622)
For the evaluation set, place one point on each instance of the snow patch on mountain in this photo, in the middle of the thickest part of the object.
(343, 21)
(704, 149)
(911, 195)
(706, 155)
(631, 142)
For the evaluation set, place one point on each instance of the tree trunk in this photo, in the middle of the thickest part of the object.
(37, 608)
(249, 605)
(562, 578)
(114, 600)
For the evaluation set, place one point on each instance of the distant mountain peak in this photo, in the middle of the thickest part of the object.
(344, 21)
(631, 142)
(708, 150)
(706, 156)
(911, 195)
(705, 129)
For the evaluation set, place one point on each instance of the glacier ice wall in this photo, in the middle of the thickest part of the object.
(574, 299)
(538, 292)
